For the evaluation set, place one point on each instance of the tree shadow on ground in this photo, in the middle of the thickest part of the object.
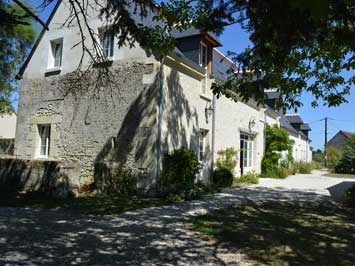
(159, 235)
(282, 232)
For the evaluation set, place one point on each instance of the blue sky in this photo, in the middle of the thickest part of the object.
(235, 39)
(342, 117)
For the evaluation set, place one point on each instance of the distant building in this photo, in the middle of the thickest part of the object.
(339, 139)
(298, 132)
(7, 126)
(7, 133)
(296, 128)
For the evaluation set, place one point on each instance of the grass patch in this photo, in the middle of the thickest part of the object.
(249, 178)
(97, 205)
(340, 175)
(278, 234)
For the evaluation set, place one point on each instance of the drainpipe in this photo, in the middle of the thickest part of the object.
(160, 118)
(213, 134)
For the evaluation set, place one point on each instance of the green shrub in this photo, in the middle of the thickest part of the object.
(302, 167)
(333, 157)
(226, 159)
(249, 178)
(276, 141)
(283, 172)
(350, 196)
(293, 169)
(278, 173)
(196, 192)
(222, 177)
(121, 180)
(346, 164)
(180, 168)
(318, 156)
(316, 165)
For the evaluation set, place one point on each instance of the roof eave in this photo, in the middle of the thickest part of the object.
(34, 47)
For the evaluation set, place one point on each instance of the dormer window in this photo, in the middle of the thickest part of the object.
(203, 57)
(56, 53)
(107, 43)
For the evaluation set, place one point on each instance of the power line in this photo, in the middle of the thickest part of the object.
(319, 120)
(340, 120)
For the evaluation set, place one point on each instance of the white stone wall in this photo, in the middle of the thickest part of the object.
(232, 119)
(301, 150)
(7, 126)
(272, 118)
(38, 66)
(184, 109)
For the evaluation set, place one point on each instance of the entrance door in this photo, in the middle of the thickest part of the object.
(246, 154)
(202, 153)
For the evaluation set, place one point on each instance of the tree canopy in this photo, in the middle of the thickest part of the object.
(347, 162)
(16, 37)
(297, 45)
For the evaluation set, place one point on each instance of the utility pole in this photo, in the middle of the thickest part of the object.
(325, 140)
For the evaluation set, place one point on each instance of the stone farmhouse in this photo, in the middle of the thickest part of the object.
(154, 105)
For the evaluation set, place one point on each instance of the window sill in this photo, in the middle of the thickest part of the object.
(53, 71)
(42, 158)
(206, 97)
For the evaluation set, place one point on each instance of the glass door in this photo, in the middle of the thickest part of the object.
(246, 154)
(202, 153)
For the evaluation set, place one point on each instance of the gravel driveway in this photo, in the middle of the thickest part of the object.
(154, 236)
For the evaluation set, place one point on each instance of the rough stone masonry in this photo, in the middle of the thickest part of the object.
(103, 115)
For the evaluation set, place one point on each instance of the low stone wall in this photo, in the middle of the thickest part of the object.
(49, 177)
(7, 146)
(103, 172)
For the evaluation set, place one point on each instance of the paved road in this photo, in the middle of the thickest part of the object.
(154, 236)
(315, 182)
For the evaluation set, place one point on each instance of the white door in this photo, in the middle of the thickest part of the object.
(246, 154)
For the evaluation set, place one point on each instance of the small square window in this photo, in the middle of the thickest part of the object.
(55, 59)
(44, 140)
(107, 43)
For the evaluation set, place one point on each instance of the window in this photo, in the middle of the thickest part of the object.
(203, 57)
(107, 43)
(55, 59)
(44, 140)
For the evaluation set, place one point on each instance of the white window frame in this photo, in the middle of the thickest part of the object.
(201, 153)
(110, 50)
(44, 133)
(202, 146)
(55, 55)
(203, 63)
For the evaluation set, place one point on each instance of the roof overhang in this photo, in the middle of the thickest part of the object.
(211, 39)
(39, 38)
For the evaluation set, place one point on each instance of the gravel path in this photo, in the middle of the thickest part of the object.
(154, 236)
